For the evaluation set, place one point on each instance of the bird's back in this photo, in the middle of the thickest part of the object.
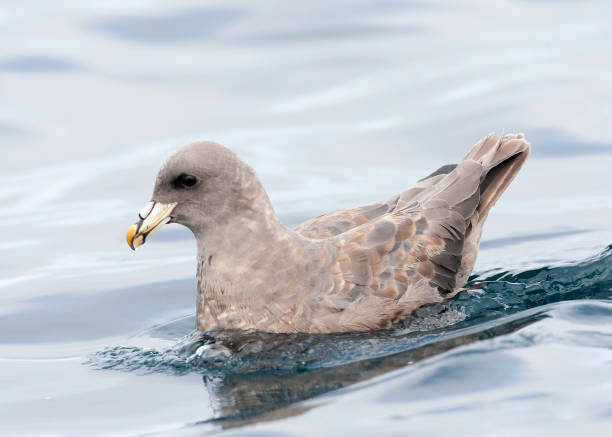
(418, 247)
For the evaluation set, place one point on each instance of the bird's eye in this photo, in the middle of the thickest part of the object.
(184, 181)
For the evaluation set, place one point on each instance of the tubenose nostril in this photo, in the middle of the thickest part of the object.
(144, 213)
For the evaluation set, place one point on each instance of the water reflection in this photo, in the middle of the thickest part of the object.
(12, 130)
(335, 32)
(38, 64)
(238, 399)
(557, 142)
(172, 27)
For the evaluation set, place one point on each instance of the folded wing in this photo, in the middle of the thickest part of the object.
(420, 246)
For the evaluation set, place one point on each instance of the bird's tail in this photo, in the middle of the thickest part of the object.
(501, 159)
(455, 201)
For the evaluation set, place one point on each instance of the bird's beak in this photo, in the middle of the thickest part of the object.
(152, 217)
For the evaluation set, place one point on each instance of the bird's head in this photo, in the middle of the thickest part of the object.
(202, 185)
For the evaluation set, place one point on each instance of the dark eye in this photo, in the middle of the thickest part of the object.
(184, 181)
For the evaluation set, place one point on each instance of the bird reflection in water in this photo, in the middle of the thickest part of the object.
(242, 398)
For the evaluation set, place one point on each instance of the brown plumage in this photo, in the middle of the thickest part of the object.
(349, 270)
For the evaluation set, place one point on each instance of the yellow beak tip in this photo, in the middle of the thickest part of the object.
(152, 217)
(130, 236)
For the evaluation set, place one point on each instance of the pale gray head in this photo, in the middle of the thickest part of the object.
(203, 186)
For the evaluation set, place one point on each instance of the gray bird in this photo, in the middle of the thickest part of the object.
(354, 269)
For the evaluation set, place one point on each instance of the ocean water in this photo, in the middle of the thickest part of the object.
(334, 104)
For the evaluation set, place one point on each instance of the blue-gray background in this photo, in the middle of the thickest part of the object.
(334, 104)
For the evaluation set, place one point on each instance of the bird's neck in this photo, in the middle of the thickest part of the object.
(255, 273)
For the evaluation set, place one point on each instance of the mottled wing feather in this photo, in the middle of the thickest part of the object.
(336, 222)
(409, 256)
(417, 248)
(445, 169)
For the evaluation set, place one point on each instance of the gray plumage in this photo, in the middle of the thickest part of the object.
(354, 269)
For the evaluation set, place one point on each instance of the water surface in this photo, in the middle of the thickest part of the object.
(334, 104)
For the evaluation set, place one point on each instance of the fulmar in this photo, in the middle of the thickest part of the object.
(354, 269)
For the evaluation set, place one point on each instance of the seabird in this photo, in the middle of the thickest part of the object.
(354, 269)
